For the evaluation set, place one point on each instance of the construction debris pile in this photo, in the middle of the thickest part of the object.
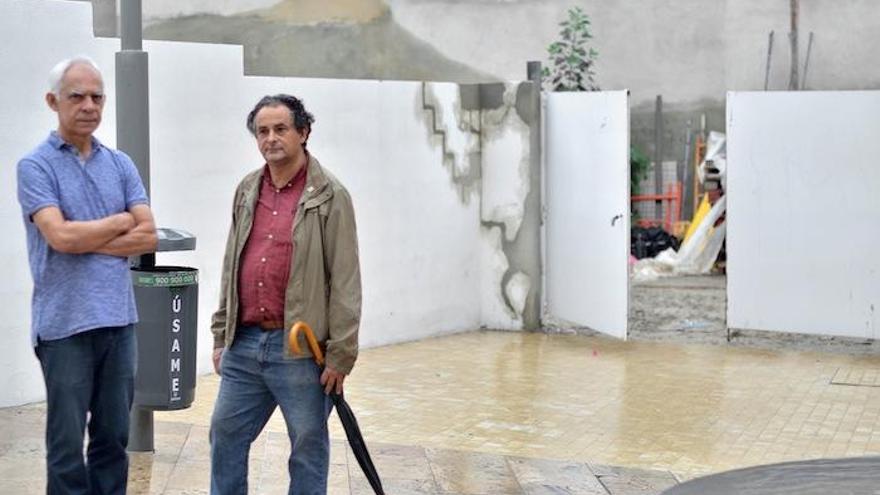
(656, 254)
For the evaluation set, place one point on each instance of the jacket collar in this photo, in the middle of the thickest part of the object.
(317, 185)
(317, 188)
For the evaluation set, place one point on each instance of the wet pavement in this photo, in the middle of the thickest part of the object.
(180, 466)
(493, 413)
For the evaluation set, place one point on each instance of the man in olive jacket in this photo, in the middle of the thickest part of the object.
(291, 256)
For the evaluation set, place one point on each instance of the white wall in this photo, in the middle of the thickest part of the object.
(803, 212)
(25, 121)
(421, 241)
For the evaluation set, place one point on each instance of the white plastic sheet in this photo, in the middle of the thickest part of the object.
(695, 257)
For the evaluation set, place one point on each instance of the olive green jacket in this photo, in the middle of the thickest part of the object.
(324, 288)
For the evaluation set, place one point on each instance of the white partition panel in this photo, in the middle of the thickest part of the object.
(803, 212)
(587, 189)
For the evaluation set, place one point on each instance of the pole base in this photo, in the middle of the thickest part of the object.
(140, 430)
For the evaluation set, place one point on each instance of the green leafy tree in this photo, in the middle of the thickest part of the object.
(638, 169)
(571, 60)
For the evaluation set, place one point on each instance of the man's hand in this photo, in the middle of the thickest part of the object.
(332, 380)
(140, 238)
(218, 355)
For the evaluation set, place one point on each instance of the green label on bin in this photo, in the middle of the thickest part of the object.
(168, 279)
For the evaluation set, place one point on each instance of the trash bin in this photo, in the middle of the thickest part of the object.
(167, 302)
(167, 299)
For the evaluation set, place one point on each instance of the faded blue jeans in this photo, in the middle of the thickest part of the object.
(90, 372)
(255, 378)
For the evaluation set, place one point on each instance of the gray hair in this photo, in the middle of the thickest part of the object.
(61, 68)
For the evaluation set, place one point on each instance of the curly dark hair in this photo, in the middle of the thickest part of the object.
(301, 118)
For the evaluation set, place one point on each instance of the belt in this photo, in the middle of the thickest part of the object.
(268, 325)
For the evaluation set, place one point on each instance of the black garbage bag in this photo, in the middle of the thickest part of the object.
(647, 242)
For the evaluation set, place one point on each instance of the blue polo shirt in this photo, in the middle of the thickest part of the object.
(74, 293)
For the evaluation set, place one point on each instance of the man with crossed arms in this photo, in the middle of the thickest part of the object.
(85, 212)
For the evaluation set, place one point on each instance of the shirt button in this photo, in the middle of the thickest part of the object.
(271, 236)
(274, 212)
(262, 260)
(263, 309)
(277, 191)
(259, 284)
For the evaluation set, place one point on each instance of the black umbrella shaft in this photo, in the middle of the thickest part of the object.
(356, 441)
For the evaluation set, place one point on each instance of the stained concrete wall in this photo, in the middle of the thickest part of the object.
(511, 204)
(690, 51)
(687, 50)
(105, 11)
(153, 9)
(417, 197)
(486, 133)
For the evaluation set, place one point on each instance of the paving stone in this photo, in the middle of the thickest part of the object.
(472, 473)
(632, 481)
(548, 477)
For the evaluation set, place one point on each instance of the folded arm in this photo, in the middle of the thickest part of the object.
(78, 237)
(122, 234)
(139, 240)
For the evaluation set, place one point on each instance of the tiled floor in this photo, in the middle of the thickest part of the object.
(497, 413)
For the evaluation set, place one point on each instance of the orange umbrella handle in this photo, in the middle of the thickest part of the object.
(293, 340)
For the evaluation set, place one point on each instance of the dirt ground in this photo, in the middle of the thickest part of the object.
(693, 309)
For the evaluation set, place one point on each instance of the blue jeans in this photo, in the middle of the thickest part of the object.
(255, 378)
(90, 372)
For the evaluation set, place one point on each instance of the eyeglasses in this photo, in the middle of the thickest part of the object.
(77, 97)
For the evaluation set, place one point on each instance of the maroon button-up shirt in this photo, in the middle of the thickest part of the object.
(267, 255)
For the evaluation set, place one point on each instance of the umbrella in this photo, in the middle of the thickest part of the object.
(346, 416)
